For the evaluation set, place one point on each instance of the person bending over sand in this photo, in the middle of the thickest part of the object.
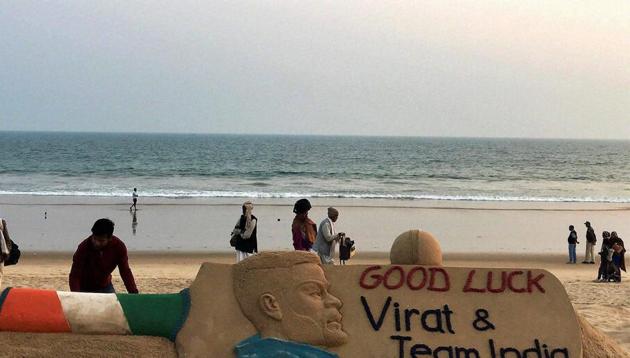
(97, 257)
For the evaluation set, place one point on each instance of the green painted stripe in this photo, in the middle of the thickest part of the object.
(155, 314)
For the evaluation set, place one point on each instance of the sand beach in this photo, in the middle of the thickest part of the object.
(173, 237)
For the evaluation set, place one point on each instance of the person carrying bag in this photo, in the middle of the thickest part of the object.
(9, 253)
(243, 237)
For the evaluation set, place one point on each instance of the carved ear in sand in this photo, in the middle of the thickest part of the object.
(270, 306)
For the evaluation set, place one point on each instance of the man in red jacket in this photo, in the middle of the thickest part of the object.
(97, 257)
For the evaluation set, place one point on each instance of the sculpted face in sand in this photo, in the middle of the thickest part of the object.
(285, 296)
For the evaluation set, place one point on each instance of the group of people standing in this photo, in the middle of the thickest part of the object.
(611, 252)
(305, 233)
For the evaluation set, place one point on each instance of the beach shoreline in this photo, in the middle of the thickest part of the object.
(59, 223)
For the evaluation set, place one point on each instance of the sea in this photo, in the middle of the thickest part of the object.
(292, 166)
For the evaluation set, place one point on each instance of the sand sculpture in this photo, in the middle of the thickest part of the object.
(287, 303)
(285, 296)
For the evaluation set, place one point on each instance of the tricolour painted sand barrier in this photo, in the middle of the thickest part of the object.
(35, 310)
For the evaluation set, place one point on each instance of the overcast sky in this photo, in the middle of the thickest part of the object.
(544, 68)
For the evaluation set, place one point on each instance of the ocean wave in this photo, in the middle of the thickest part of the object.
(290, 195)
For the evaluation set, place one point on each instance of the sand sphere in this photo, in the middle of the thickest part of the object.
(415, 247)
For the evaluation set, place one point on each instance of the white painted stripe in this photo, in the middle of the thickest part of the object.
(93, 313)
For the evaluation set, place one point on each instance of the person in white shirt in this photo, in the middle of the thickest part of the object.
(134, 198)
(327, 237)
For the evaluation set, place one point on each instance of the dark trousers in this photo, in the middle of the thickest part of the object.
(604, 270)
(107, 289)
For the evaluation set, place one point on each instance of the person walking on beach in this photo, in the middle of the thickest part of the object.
(245, 230)
(619, 250)
(303, 229)
(5, 244)
(96, 258)
(134, 198)
(327, 238)
(591, 240)
(573, 241)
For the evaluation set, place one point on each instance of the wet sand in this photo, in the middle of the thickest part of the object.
(203, 225)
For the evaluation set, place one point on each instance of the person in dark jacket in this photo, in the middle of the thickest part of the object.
(591, 240)
(96, 258)
(573, 241)
(246, 228)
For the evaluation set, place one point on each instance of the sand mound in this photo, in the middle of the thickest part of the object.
(78, 345)
(596, 344)
(415, 247)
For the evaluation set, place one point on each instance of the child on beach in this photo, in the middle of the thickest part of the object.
(346, 249)
(606, 254)
(573, 241)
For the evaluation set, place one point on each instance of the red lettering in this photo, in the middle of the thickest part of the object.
(415, 279)
(469, 279)
(489, 283)
(534, 282)
(410, 278)
(401, 280)
(510, 282)
(377, 278)
(447, 282)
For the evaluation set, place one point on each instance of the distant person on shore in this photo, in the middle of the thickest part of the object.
(246, 242)
(327, 238)
(618, 255)
(134, 199)
(96, 258)
(5, 244)
(591, 240)
(606, 253)
(573, 241)
(303, 229)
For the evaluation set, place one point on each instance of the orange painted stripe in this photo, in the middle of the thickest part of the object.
(32, 310)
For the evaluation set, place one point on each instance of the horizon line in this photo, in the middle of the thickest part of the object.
(310, 135)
